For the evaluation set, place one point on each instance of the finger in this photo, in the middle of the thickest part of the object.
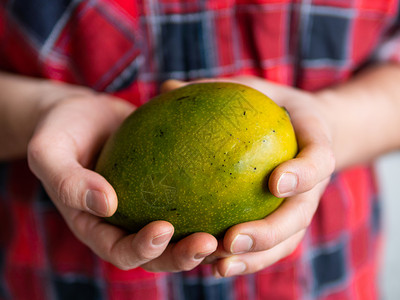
(80, 188)
(314, 163)
(253, 262)
(83, 123)
(67, 140)
(269, 88)
(171, 84)
(219, 253)
(294, 215)
(184, 255)
(66, 181)
(114, 245)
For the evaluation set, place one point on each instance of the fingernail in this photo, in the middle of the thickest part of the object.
(201, 255)
(241, 244)
(235, 268)
(162, 238)
(287, 183)
(97, 203)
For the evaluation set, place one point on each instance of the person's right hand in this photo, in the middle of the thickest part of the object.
(68, 136)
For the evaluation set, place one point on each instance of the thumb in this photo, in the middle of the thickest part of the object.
(65, 143)
(171, 84)
(70, 184)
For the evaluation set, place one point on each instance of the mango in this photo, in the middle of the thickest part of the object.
(198, 157)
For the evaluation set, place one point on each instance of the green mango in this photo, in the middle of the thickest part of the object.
(198, 157)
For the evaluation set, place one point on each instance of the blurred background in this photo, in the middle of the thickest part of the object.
(388, 168)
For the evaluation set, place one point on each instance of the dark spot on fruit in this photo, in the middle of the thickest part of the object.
(273, 130)
(160, 133)
(255, 168)
(173, 209)
(181, 98)
(230, 173)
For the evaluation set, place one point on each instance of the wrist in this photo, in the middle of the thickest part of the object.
(50, 93)
(330, 111)
(23, 102)
(362, 115)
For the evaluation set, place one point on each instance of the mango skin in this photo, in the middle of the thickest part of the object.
(198, 157)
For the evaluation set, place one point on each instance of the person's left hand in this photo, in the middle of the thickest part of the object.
(252, 246)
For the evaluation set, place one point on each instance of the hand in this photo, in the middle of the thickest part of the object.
(69, 133)
(252, 246)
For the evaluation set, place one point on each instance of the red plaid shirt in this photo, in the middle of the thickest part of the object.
(128, 48)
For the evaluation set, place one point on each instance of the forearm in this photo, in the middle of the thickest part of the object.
(22, 100)
(364, 115)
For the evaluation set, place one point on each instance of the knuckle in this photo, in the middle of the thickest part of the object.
(313, 171)
(68, 191)
(271, 238)
(35, 151)
(308, 178)
(328, 158)
(144, 256)
(143, 251)
(122, 261)
(331, 162)
(80, 225)
(64, 191)
(182, 265)
(122, 265)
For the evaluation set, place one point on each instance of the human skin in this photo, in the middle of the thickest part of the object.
(60, 128)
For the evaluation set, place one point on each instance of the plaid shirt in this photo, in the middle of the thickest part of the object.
(128, 48)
